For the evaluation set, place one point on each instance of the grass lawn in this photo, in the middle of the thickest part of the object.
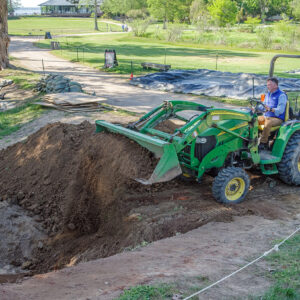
(179, 55)
(26, 80)
(57, 26)
(13, 119)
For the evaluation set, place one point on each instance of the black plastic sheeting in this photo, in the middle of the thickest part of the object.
(212, 83)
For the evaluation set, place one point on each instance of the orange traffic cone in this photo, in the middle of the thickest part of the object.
(131, 76)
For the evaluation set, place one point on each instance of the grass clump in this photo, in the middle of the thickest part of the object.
(286, 266)
(148, 292)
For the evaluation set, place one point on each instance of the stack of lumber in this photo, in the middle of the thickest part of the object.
(73, 102)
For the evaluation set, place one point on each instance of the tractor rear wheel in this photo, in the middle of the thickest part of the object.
(289, 167)
(231, 185)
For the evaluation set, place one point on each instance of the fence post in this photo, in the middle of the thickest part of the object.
(165, 56)
(217, 56)
(43, 67)
(77, 54)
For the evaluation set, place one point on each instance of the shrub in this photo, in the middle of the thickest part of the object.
(139, 27)
(288, 33)
(174, 33)
(265, 37)
(252, 22)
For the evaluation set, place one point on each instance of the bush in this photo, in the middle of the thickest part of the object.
(137, 14)
(252, 22)
(139, 27)
(174, 33)
(265, 37)
(288, 33)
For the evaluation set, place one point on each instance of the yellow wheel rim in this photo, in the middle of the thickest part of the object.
(235, 188)
(299, 164)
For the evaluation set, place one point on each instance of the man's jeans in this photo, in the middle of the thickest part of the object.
(269, 122)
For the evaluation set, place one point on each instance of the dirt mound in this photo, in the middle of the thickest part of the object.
(80, 187)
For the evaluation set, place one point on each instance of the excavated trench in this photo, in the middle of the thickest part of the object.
(68, 195)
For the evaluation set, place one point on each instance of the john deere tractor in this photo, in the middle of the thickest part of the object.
(222, 142)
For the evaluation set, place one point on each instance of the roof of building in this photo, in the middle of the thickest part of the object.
(57, 3)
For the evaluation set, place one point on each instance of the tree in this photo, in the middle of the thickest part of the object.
(122, 7)
(168, 10)
(198, 8)
(12, 5)
(296, 9)
(223, 11)
(4, 38)
(95, 4)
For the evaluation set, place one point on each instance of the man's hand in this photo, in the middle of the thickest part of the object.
(270, 109)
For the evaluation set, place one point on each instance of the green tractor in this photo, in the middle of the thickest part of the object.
(221, 142)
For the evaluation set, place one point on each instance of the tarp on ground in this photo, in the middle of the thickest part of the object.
(212, 83)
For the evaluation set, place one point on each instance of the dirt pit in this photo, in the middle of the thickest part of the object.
(79, 187)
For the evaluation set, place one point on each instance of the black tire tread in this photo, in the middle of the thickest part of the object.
(286, 169)
(221, 181)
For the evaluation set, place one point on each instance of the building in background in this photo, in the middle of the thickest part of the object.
(64, 8)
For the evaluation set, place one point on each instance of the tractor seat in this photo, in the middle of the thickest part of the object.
(286, 118)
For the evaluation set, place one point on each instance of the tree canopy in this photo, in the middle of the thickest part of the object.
(222, 11)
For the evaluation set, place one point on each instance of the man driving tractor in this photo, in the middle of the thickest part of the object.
(275, 101)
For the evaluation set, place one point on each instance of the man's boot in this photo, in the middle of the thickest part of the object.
(263, 146)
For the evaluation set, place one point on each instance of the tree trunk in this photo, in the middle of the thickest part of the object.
(95, 15)
(4, 38)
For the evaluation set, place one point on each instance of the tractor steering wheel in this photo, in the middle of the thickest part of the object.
(258, 105)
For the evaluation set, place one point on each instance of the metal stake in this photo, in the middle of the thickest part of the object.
(43, 67)
(217, 56)
(165, 56)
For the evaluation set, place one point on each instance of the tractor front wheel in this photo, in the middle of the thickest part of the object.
(231, 185)
(289, 167)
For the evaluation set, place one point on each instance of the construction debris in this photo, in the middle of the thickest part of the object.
(5, 82)
(73, 102)
(58, 84)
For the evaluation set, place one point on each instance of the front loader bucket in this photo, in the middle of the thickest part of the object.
(168, 166)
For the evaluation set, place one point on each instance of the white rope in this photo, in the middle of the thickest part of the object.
(275, 248)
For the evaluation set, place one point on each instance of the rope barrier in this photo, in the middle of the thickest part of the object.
(275, 248)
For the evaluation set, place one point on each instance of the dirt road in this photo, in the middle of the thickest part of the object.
(114, 88)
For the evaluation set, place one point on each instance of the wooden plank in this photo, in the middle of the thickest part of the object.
(160, 67)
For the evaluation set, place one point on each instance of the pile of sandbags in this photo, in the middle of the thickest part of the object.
(58, 84)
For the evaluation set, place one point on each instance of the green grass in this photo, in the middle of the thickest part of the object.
(149, 292)
(26, 80)
(39, 25)
(286, 274)
(13, 119)
(179, 55)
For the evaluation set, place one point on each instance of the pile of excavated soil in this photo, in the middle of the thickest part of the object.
(80, 187)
